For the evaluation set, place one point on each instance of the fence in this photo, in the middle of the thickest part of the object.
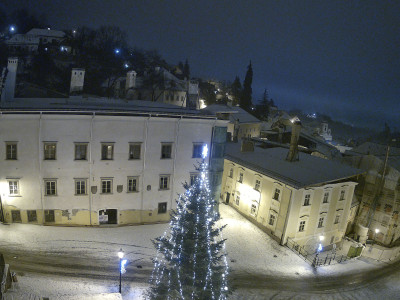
(316, 259)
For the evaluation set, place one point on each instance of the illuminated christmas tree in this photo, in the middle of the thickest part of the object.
(191, 261)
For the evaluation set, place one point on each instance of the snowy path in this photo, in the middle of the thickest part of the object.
(60, 262)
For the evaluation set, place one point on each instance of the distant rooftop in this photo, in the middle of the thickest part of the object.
(370, 148)
(306, 172)
(236, 113)
(46, 32)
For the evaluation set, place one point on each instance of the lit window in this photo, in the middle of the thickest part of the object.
(326, 197)
(14, 187)
(271, 220)
(166, 151)
(257, 185)
(342, 193)
(321, 222)
(11, 151)
(80, 151)
(80, 186)
(50, 187)
(134, 151)
(107, 151)
(162, 207)
(106, 186)
(240, 177)
(276, 194)
(50, 151)
(133, 184)
(164, 182)
(302, 225)
(197, 150)
(307, 200)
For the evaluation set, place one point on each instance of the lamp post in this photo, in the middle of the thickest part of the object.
(376, 232)
(120, 255)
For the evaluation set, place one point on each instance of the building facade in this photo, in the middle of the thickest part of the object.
(306, 201)
(92, 168)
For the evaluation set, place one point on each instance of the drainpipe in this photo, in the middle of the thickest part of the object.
(40, 165)
(90, 168)
(146, 133)
(283, 238)
(174, 163)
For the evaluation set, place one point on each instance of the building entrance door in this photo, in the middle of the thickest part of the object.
(108, 216)
(228, 195)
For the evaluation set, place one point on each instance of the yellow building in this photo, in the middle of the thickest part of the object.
(307, 200)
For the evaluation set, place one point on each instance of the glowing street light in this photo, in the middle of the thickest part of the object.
(117, 51)
(12, 28)
(120, 255)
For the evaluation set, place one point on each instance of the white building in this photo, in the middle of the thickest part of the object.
(88, 161)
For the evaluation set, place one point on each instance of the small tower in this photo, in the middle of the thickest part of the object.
(9, 84)
(130, 80)
(77, 80)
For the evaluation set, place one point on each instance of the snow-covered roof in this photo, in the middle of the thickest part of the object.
(236, 113)
(46, 32)
(307, 171)
(104, 105)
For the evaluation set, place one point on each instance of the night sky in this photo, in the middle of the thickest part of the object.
(336, 57)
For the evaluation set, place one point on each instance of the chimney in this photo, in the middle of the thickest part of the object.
(293, 154)
(247, 146)
(10, 80)
(130, 80)
(77, 80)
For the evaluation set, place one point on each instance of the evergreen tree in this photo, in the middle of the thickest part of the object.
(263, 109)
(186, 70)
(245, 101)
(190, 263)
(236, 89)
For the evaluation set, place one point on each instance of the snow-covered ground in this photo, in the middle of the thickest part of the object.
(249, 249)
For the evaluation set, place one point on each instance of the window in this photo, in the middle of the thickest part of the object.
(193, 178)
(337, 219)
(271, 220)
(11, 151)
(276, 194)
(253, 209)
(80, 151)
(49, 216)
(80, 186)
(257, 185)
(133, 184)
(307, 200)
(50, 151)
(237, 200)
(197, 150)
(302, 225)
(321, 222)
(231, 173)
(166, 151)
(326, 197)
(107, 151)
(162, 207)
(218, 150)
(50, 187)
(342, 195)
(16, 216)
(14, 187)
(164, 182)
(240, 177)
(106, 186)
(32, 217)
(134, 151)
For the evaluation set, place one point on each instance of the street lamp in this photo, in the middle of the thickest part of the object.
(120, 255)
(376, 232)
(12, 28)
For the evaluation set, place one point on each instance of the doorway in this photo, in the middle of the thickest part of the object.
(108, 216)
(228, 195)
